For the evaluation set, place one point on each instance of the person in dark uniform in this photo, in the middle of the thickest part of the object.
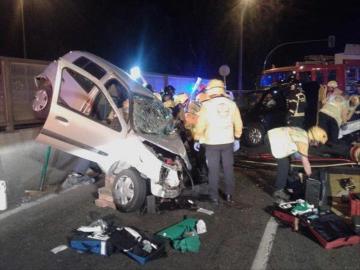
(296, 105)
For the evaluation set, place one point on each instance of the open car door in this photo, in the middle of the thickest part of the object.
(83, 118)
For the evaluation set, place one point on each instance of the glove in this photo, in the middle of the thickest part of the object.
(197, 146)
(236, 145)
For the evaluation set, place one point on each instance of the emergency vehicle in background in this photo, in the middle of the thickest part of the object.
(342, 67)
(269, 108)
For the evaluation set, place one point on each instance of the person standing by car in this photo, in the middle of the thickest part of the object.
(296, 105)
(352, 103)
(332, 90)
(332, 115)
(200, 170)
(178, 111)
(219, 128)
(292, 141)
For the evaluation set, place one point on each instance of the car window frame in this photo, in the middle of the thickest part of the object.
(89, 63)
(63, 64)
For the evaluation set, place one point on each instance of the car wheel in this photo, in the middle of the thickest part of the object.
(129, 191)
(254, 135)
(41, 103)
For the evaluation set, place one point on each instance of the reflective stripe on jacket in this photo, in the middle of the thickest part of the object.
(296, 103)
(219, 122)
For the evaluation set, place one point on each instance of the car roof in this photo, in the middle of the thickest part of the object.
(110, 69)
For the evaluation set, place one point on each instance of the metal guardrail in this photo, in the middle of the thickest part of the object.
(17, 91)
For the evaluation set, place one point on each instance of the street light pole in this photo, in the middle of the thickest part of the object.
(243, 5)
(241, 44)
(289, 43)
(23, 27)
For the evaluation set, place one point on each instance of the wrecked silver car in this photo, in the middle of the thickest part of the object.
(95, 111)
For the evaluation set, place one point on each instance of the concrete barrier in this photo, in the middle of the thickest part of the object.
(21, 161)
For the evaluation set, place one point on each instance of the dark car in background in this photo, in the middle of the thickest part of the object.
(262, 110)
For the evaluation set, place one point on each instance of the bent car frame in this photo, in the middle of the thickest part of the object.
(95, 111)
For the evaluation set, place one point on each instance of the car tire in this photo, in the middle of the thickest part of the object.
(41, 103)
(129, 190)
(254, 135)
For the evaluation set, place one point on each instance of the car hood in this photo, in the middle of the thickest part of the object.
(171, 143)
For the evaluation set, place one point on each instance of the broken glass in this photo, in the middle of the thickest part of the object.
(151, 117)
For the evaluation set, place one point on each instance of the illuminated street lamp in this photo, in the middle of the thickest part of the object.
(135, 74)
(243, 5)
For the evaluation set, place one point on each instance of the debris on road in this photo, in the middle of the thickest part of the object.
(184, 235)
(74, 179)
(58, 249)
(178, 203)
(105, 239)
(205, 211)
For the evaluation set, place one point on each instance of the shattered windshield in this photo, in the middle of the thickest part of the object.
(151, 117)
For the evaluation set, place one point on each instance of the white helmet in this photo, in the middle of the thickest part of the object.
(332, 84)
(215, 88)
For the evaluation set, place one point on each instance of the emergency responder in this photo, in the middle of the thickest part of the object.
(168, 97)
(192, 111)
(219, 128)
(350, 131)
(352, 103)
(353, 107)
(199, 170)
(178, 111)
(332, 90)
(333, 114)
(180, 102)
(292, 141)
(296, 105)
(168, 93)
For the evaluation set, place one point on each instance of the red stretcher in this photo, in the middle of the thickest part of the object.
(266, 159)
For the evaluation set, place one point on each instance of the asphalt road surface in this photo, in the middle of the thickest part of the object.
(243, 237)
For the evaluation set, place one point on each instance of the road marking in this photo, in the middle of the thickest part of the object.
(26, 206)
(37, 202)
(264, 250)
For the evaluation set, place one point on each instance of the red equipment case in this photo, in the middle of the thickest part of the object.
(329, 229)
(354, 204)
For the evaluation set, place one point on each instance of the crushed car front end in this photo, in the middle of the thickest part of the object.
(142, 141)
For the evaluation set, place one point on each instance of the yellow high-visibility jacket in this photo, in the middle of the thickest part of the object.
(219, 122)
(285, 141)
(336, 108)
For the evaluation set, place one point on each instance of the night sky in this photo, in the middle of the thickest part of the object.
(178, 37)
